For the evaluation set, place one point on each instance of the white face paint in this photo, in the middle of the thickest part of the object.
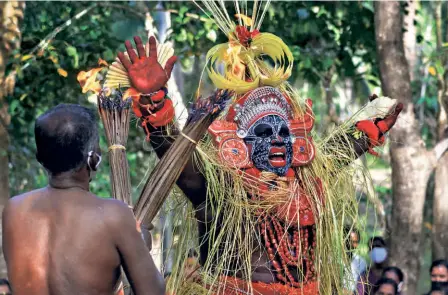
(378, 255)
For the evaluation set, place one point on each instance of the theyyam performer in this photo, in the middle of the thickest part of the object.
(268, 199)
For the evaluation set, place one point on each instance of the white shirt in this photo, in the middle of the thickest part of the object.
(358, 266)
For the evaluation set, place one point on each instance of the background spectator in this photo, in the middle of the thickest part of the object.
(394, 273)
(385, 286)
(438, 291)
(358, 264)
(439, 274)
(378, 257)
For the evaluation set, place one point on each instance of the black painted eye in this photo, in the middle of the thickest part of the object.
(284, 131)
(263, 130)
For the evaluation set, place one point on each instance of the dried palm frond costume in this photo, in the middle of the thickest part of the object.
(268, 203)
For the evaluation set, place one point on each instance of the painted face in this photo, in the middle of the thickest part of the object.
(271, 144)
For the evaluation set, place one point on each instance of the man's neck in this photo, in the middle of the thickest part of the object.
(68, 180)
(378, 268)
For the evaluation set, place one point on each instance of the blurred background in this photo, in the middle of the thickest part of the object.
(340, 56)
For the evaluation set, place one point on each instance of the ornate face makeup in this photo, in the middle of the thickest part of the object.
(270, 144)
(261, 131)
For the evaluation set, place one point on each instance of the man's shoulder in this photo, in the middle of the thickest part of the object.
(17, 206)
(116, 210)
(113, 204)
(26, 195)
(22, 199)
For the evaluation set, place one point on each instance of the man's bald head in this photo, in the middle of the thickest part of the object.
(64, 136)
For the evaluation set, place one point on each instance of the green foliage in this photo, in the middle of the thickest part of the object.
(48, 77)
(325, 35)
(322, 36)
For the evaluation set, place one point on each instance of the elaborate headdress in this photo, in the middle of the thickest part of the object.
(243, 56)
(255, 66)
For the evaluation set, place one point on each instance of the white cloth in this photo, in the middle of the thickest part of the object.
(358, 266)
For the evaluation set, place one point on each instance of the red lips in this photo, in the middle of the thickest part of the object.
(277, 157)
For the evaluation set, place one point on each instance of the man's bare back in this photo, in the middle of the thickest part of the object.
(63, 240)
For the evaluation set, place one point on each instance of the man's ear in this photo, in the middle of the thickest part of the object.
(93, 160)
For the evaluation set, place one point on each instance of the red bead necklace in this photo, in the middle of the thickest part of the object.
(287, 250)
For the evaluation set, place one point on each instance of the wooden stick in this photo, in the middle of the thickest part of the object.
(169, 168)
(115, 114)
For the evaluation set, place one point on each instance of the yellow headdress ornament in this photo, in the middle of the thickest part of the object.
(243, 57)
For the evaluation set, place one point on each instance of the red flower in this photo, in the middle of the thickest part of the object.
(245, 36)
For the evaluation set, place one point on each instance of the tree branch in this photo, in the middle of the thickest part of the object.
(134, 11)
(46, 41)
(192, 15)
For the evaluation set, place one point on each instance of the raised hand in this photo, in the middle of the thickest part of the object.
(146, 74)
(388, 122)
(375, 130)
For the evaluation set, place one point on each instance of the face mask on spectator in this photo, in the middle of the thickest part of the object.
(378, 254)
(437, 285)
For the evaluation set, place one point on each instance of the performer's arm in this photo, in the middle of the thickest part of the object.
(155, 110)
(134, 255)
(191, 181)
(361, 138)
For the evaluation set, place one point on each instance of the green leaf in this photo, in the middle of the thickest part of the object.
(13, 106)
(183, 10)
(307, 64)
(211, 35)
(26, 57)
(182, 37)
(71, 51)
(327, 63)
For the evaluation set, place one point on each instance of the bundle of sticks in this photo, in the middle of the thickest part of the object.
(169, 168)
(115, 115)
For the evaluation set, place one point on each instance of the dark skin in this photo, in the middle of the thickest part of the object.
(191, 181)
(62, 239)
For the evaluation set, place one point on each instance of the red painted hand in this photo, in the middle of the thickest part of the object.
(375, 130)
(388, 122)
(146, 74)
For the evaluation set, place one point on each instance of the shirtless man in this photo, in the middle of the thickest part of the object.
(62, 239)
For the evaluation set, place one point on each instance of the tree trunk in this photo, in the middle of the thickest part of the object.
(410, 37)
(440, 211)
(411, 163)
(11, 13)
(440, 205)
(332, 117)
